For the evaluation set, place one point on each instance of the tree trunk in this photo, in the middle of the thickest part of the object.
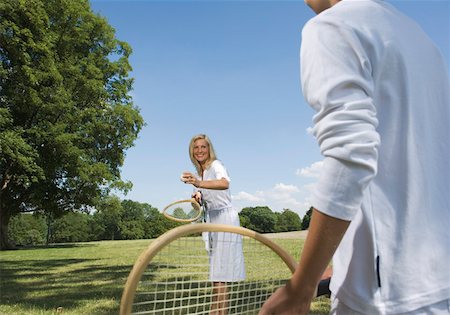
(5, 215)
(4, 221)
(49, 228)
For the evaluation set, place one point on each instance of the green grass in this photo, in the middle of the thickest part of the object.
(80, 278)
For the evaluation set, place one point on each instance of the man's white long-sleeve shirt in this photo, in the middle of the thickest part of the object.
(381, 91)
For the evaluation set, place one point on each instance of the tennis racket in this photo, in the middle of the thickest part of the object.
(234, 271)
(188, 210)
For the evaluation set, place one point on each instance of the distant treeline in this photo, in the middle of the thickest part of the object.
(116, 219)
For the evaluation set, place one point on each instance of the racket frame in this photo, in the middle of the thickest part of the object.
(192, 201)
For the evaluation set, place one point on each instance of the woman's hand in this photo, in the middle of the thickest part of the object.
(189, 178)
(197, 196)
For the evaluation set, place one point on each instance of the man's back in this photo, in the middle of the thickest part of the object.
(382, 94)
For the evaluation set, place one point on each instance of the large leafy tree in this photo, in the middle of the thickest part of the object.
(141, 220)
(107, 218)
(132, 220)
(156, 223)
(66, 117)
(260, 219)
(72, 227)
(287, 221)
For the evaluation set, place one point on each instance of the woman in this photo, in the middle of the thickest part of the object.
(212, 189)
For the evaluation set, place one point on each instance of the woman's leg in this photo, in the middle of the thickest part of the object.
(219, 305)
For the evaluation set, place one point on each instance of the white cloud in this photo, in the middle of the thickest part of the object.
(244, 196)
(280, 196)
(295, 197)
(312, 171)
(283, 188)
(309, 130)
(310, 187)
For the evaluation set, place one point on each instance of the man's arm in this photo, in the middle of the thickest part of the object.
(325, 234)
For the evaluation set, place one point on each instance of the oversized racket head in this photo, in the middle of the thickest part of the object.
(179, 272)
(188, 210)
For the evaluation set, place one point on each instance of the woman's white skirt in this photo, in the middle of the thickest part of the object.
(226, 259)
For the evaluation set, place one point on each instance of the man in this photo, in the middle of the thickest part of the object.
(382, 205)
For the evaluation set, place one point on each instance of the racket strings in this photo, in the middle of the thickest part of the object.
(195, 275)
(183, 211)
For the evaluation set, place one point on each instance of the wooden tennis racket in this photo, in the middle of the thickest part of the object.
(188, 210)
(180, 271)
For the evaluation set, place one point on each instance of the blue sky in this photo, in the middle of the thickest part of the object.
(229, 69)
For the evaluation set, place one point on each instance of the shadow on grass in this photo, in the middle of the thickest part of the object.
(40, 247)
(48, 283)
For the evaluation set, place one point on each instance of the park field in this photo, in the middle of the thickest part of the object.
(81, 278)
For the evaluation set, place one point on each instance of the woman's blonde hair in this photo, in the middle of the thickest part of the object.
(212, 153)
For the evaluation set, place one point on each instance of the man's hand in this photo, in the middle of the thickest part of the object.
(286, 301)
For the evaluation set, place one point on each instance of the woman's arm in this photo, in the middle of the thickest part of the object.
(216, 184)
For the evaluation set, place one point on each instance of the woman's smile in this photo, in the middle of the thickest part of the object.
(201, 151)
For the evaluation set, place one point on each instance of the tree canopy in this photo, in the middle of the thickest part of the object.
(116, 219)
(259, 219)
(66, 117)
(288, 221)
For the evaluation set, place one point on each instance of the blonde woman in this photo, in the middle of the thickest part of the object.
(212, 184)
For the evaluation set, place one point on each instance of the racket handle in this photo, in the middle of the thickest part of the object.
(324, 287)
(200, 202)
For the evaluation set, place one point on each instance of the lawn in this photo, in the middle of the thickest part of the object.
(79, 278)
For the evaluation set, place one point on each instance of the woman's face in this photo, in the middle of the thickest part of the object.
(201, 151)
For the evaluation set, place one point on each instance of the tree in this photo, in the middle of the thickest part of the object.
(71, 227)
(179, 213)
(95, 228)
(307, 219)
(260, 219)
(131, 220)
(107, 217)
(288, 221)
(66, 117)
(156, 223)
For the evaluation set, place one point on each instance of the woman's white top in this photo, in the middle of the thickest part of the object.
(381, 91)
(216, 199)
